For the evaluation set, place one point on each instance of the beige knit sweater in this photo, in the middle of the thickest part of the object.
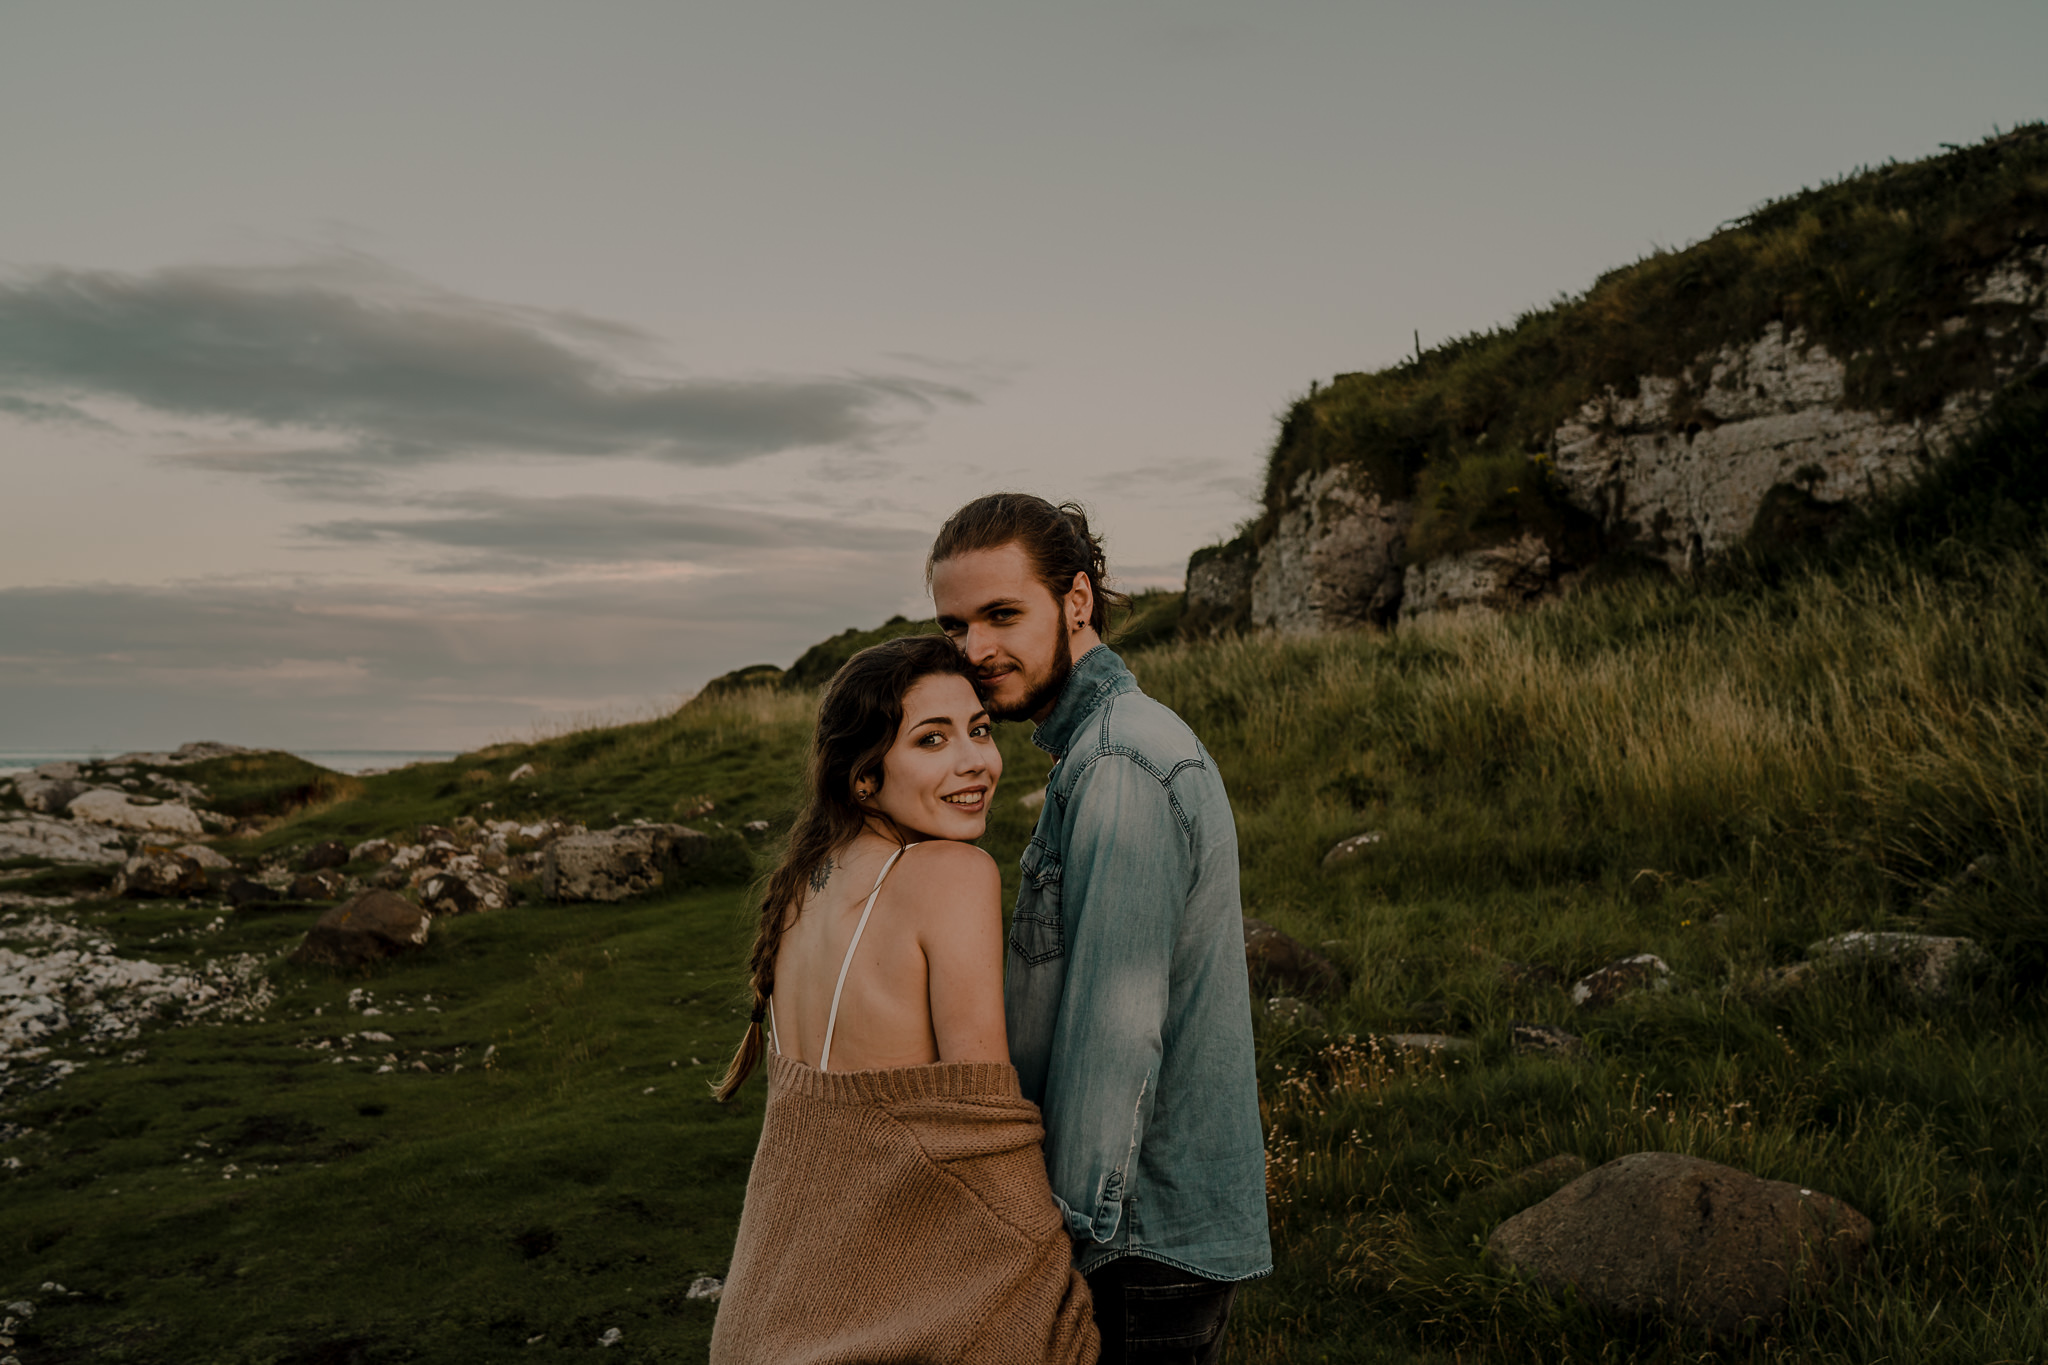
(901, 1216)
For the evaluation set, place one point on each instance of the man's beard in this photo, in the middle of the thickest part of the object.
(1047, 690)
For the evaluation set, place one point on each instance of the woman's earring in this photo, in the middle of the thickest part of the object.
(863, 792)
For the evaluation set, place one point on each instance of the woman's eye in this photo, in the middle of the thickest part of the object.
(932, 740)
(982, 731)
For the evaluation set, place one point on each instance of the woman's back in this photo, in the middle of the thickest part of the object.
(924, 981)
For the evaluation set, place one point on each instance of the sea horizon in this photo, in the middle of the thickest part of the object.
(354, 761)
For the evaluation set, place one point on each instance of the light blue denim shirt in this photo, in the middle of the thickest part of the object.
(1128, 1008)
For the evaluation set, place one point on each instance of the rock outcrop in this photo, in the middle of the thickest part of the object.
(1659, 1233)
(374, 926)
(614, 865)
(59, 841)
(1335, 559)
(162, 873)
(125, 811)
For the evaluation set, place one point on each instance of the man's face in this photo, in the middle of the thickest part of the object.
(1009, 627)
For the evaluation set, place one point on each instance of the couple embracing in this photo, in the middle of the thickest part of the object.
(1039, 1148)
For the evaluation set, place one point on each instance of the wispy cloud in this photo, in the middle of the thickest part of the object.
(389, 370)
(489, 532)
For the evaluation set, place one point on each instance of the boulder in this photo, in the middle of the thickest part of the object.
(373, 851)
(456, 893)
(1929, 966)
(206, 857)
(242, 892)
(374, 926)
(55, 772)
(522, 773)
(1605, 985)
(49, 795)
(1663, 1233)
(323, 855)
(324, 885)
(1544, 1040)
(125, 811)
(615, 864)
(1352, 849)
(161, 873)
(1283, 965)
(59, 841)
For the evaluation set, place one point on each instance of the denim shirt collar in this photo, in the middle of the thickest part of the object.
(1098, 675)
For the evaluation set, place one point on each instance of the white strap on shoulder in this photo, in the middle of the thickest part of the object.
(832, 1019)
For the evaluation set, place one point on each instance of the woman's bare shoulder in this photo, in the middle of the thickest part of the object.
(942, 871)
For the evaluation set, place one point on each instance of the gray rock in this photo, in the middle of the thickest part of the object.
(207, 858)
(1546, 1040)
(616, 864)
(1495, 578)
(59, 841)
(161, 874)
(1334, 559)
(1284, 966)
(373, 851)
(1605, 985)
(57, 772)
(705, 1287)
(1352, 849)
(123, 811)
(522, 773)
(324, 885)
(1659, 1233)
(452, 893)
(1930, 966)
(374, 926)
(323, 855)
(49, 795)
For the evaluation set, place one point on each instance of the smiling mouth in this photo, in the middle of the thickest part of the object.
(967, 798)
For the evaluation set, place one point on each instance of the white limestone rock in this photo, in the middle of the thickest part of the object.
(125, 811)
(60, 841)
(1335, 557)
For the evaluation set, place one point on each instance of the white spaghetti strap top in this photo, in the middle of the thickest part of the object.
(832, 1019)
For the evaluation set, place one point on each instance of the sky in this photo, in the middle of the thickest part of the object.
(432, 374)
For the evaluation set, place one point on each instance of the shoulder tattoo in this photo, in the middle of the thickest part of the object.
(821, 874)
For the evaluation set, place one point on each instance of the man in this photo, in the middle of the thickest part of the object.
(1125, 993)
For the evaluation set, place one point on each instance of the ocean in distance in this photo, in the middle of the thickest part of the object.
(340, 760)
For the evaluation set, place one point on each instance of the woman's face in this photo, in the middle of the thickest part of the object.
(940, 774)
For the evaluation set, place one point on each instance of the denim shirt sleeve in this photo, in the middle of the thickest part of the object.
(1126, 872)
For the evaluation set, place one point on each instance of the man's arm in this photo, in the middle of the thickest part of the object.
(1124, 882)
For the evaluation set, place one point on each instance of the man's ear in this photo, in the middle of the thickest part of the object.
(1080, 602)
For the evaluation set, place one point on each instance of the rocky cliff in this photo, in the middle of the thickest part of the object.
(1755, 389)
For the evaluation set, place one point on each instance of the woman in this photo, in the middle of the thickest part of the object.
(898, 1208)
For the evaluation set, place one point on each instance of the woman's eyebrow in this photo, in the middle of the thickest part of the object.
(933, 720)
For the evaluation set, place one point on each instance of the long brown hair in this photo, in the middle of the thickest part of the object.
(1056, 539)
(858, 717)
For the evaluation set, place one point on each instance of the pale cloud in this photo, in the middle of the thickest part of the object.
(365, 366)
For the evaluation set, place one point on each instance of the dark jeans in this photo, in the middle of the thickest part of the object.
(1156, 1314)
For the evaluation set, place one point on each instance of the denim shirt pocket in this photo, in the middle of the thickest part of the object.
(1038, 932)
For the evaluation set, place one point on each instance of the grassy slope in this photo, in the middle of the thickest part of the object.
(1719, 775)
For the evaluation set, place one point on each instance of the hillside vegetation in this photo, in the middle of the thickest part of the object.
(1869, 267)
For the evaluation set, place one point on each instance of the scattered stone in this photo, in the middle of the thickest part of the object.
(522, 773)
(374, 926)
(324, 885)
(49, 795)
(1930, 966)
(1352, 849)
(206, 857)
(1545, 1040)
(1663, 1233)
(1290, 1012)
(623, 862)
(1605, 985)
(429, 835)
(161, 874)
(612, 1337)
(242, 892)
(1032, 800)
(123, 810)
(449, 893)
(1530, 975)
(755, 827)
(1277, 962)
(373, 851)
(59, 841)
(323, 855)
(705, 1287)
